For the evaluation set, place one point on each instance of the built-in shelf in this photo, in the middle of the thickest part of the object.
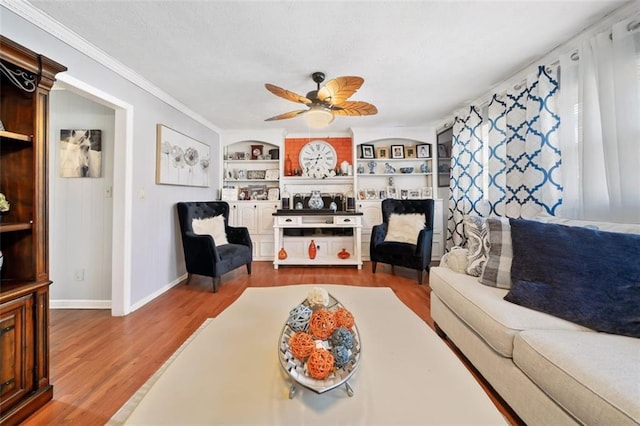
(15, 136)
(310, 180)
(16, 226)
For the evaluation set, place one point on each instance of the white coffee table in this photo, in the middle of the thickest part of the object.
(230, 373)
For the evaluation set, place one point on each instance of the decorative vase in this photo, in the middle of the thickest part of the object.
(282, 254)
(344, 254)
(312, 250)
(424, 168)
(316, 202)
(288, 167)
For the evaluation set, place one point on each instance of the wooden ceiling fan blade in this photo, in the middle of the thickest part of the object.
(355, 108)
(286, 94)
(338, 90)
(286, 115)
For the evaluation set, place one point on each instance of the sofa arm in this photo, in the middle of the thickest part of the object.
(239, 235)
(378, 232)
(200, 251)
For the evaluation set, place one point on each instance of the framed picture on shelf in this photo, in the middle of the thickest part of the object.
(426, 192)
(243, 193)
(392, 192)
(238, 156)
(273, 194)
(366, 151)
(372, 194)
(382, 152)
(423, 150)
(397, 151)
(229, 193)
(410, 152)
(257, 192)
(404, 194)
(272, 174)
(382, 194)
(414, 194)
(362, 194)
(256, 174)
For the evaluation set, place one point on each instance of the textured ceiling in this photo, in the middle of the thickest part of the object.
(420, 59)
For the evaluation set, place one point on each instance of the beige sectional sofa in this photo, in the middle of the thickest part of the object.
(549, 370)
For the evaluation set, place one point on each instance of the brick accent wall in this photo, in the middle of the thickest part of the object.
(343, 147)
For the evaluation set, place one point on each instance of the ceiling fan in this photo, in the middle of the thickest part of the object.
(326, 102)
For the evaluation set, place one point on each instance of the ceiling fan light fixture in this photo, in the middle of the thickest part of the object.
(318, 117)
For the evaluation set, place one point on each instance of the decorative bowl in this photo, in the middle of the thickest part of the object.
(296, 370)
(406, 169)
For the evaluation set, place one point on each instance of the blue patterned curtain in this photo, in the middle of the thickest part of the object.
(506, 161)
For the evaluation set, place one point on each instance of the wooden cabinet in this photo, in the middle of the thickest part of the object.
(25, 81)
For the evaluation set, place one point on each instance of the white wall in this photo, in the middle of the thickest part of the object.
(80, 209)
(156, 254)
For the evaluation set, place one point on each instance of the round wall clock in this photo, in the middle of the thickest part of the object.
(319, 156)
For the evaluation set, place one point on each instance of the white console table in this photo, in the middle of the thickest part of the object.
(329, 246)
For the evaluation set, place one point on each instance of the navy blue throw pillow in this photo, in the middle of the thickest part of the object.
(585, 276)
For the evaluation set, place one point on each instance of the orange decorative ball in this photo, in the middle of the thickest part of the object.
(322, 324)
(343, 318)
(320, 364)
(301, 345)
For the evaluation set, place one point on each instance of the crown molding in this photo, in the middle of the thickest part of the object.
(43, 21)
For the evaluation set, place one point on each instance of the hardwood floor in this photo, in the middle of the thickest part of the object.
(99, 361)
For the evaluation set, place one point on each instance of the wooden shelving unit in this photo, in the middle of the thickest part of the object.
(25, 81)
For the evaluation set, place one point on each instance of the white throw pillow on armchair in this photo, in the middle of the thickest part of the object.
(213, 226)
(404, 228)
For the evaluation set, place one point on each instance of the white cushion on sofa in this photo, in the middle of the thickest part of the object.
(483, 309)
(594, 376)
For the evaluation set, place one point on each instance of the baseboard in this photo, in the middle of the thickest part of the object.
(106, 304)
(79, 304)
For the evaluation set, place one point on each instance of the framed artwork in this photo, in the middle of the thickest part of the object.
(382, 194)
(404, 194)
(181, 160)
(426, 192)
(366, 151)
(80, 153)
(414, 194)
(392, 192)
(238, 156)
(362, 194)
(382, 152)
(258, 192)
(423, 150)
(410, 152)
(397, 151)
(371, 194)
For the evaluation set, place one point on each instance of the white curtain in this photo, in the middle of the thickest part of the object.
(600, 132)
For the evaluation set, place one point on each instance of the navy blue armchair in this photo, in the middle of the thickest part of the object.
(414, 256)
(201, 254)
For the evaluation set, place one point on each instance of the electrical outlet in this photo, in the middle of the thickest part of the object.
(79, 274)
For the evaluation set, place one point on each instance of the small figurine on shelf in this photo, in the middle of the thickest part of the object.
(424, 168)
(388, 168)
(372, 167)
(4, 206)
(360, 169)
